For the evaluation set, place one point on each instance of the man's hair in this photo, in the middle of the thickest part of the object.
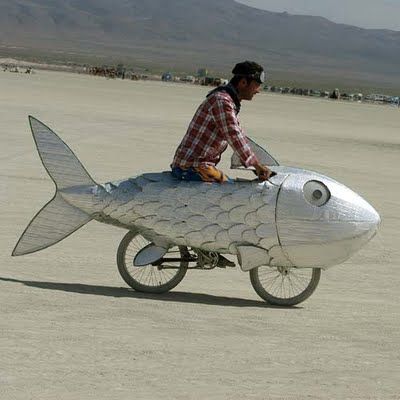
(237, 78)
(245, 70)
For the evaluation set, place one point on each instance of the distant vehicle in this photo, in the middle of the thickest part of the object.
(211, 81)
(167, 77)
(376, 97)
(217, 82)
(207, 81)
(395, 100)
(188, 78)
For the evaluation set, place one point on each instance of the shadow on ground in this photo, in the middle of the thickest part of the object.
(182, 297)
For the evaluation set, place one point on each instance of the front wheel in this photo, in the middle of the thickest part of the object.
(158, 278)
(284, 286)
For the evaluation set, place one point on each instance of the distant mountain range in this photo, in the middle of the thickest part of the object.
(188, 34)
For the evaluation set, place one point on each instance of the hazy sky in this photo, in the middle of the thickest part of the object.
(364, 13)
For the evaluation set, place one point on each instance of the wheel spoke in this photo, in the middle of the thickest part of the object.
(284, 283)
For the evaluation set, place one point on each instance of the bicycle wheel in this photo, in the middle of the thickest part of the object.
(150, 278)
(284, 286)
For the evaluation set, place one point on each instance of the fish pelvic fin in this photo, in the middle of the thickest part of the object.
(53, 223)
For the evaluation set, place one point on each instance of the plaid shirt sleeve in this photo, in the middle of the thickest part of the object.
(227, 123)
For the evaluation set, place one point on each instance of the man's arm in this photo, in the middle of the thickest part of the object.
(228, 124)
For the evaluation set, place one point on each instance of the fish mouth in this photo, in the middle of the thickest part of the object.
(322, 244)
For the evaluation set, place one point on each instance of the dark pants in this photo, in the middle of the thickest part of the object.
(186, 174)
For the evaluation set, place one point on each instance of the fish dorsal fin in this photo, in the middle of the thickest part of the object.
(149, 254)
(262, 155)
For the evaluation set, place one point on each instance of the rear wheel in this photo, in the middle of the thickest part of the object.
(284, 286)
(151, 278)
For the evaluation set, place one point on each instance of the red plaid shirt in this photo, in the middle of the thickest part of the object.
(214, 125)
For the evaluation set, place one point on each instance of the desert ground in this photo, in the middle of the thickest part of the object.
(72, 329)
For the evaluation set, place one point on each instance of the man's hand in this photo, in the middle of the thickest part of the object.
(263, 172)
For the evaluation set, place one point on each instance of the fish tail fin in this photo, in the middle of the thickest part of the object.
(57, 219)
(58, 159)
(53, 223)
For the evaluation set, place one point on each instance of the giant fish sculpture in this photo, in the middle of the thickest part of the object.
(296, 221)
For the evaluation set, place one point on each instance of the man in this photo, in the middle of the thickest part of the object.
(215, 125)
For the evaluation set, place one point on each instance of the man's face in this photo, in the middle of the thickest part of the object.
(246, 90)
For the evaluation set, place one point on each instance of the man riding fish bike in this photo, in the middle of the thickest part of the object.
(283, 231)
(215, 125)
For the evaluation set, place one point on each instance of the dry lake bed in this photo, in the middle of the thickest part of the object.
(70, 328)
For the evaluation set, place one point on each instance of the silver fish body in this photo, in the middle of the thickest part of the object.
(299, 218)
(274, 216)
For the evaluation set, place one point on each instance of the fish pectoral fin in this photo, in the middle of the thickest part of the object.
(149, 254)
(250, 257)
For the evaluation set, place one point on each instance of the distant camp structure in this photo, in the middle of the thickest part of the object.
(107, 72)
(17, 69)
(336, 95)
(202, 72)
(204, 79)
(113, 72)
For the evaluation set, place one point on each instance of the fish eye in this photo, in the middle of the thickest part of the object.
(316, 193)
